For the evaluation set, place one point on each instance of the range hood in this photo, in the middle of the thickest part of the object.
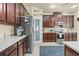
(58, 19)
(57, 14)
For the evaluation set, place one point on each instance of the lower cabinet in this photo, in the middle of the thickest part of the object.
(70, 52)
(14, 53)
(49, 37)
(25, 47)
(70, 36)
(20, 50)
(10, 51)
(22, 47)
(17, 49)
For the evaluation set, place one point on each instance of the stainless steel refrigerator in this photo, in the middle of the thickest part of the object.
(27, 25)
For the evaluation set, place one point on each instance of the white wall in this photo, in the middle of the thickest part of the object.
(6, 29)
(77, 24)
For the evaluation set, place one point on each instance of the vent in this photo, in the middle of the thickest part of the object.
(57, 13)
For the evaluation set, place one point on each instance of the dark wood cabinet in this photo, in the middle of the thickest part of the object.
(22, 10)
(20, 47)
(49, 37)
(20, 50)
(14, 53)
(25, 47)
(11, 12)
(12, 50)
(18, 21)
(68, 21)
(70, 52)
(48, 21)
(70, 36)
(17, 49)
(2, 12)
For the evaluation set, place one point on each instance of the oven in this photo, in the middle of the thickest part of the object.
(60, 37)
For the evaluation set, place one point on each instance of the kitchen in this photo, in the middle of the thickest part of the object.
(39, 29)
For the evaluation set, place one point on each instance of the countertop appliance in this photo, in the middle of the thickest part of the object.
(60, 37)
(19, 31)
(26, 24)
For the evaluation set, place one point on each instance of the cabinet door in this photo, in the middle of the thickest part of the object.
(25, 47)
(53, 37)
(20, 50)
(70, 52)
(22, 10)
(66, 37)
(2, 11)
(46, 21)
(71, 21)
(18, 21)
(14, 53)
(70, 36)
(10, 12)
(44, 37)
(49, 37)
(74, 36)
(52, 21)
(68, 21)
(64, 21)
(11, 50)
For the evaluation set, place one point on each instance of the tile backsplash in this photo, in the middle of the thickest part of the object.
(6, 30)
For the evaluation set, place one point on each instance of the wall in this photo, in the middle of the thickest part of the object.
(6, 30)
(77, 24)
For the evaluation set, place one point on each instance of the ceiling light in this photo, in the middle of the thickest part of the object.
(73, 6)
(53, 6)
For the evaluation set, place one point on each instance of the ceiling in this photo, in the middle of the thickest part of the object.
(60, 7)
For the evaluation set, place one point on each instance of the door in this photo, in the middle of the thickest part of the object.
(37, 29)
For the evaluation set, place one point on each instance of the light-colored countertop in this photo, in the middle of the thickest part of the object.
(10, 40)
(74, 45)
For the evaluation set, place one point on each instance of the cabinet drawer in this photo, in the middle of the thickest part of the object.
(14, 53)
(10, 50)
(20, 42)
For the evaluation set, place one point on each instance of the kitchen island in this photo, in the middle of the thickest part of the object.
(13, 45)
(71, 48)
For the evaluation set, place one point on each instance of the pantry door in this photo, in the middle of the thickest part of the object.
(37, 29)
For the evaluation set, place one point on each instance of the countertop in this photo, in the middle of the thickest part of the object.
(10, 40)
(74, 45)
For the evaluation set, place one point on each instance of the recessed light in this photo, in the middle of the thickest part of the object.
(73, 6)
(53, 6)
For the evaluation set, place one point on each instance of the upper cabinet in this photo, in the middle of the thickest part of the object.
(18, 14)
(68, 21)
(21, 10)
(50, 21)
(2, 12)
(10, 12)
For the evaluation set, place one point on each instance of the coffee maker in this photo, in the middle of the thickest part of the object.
(19, 31)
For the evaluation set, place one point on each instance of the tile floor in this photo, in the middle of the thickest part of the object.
(36, 48)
